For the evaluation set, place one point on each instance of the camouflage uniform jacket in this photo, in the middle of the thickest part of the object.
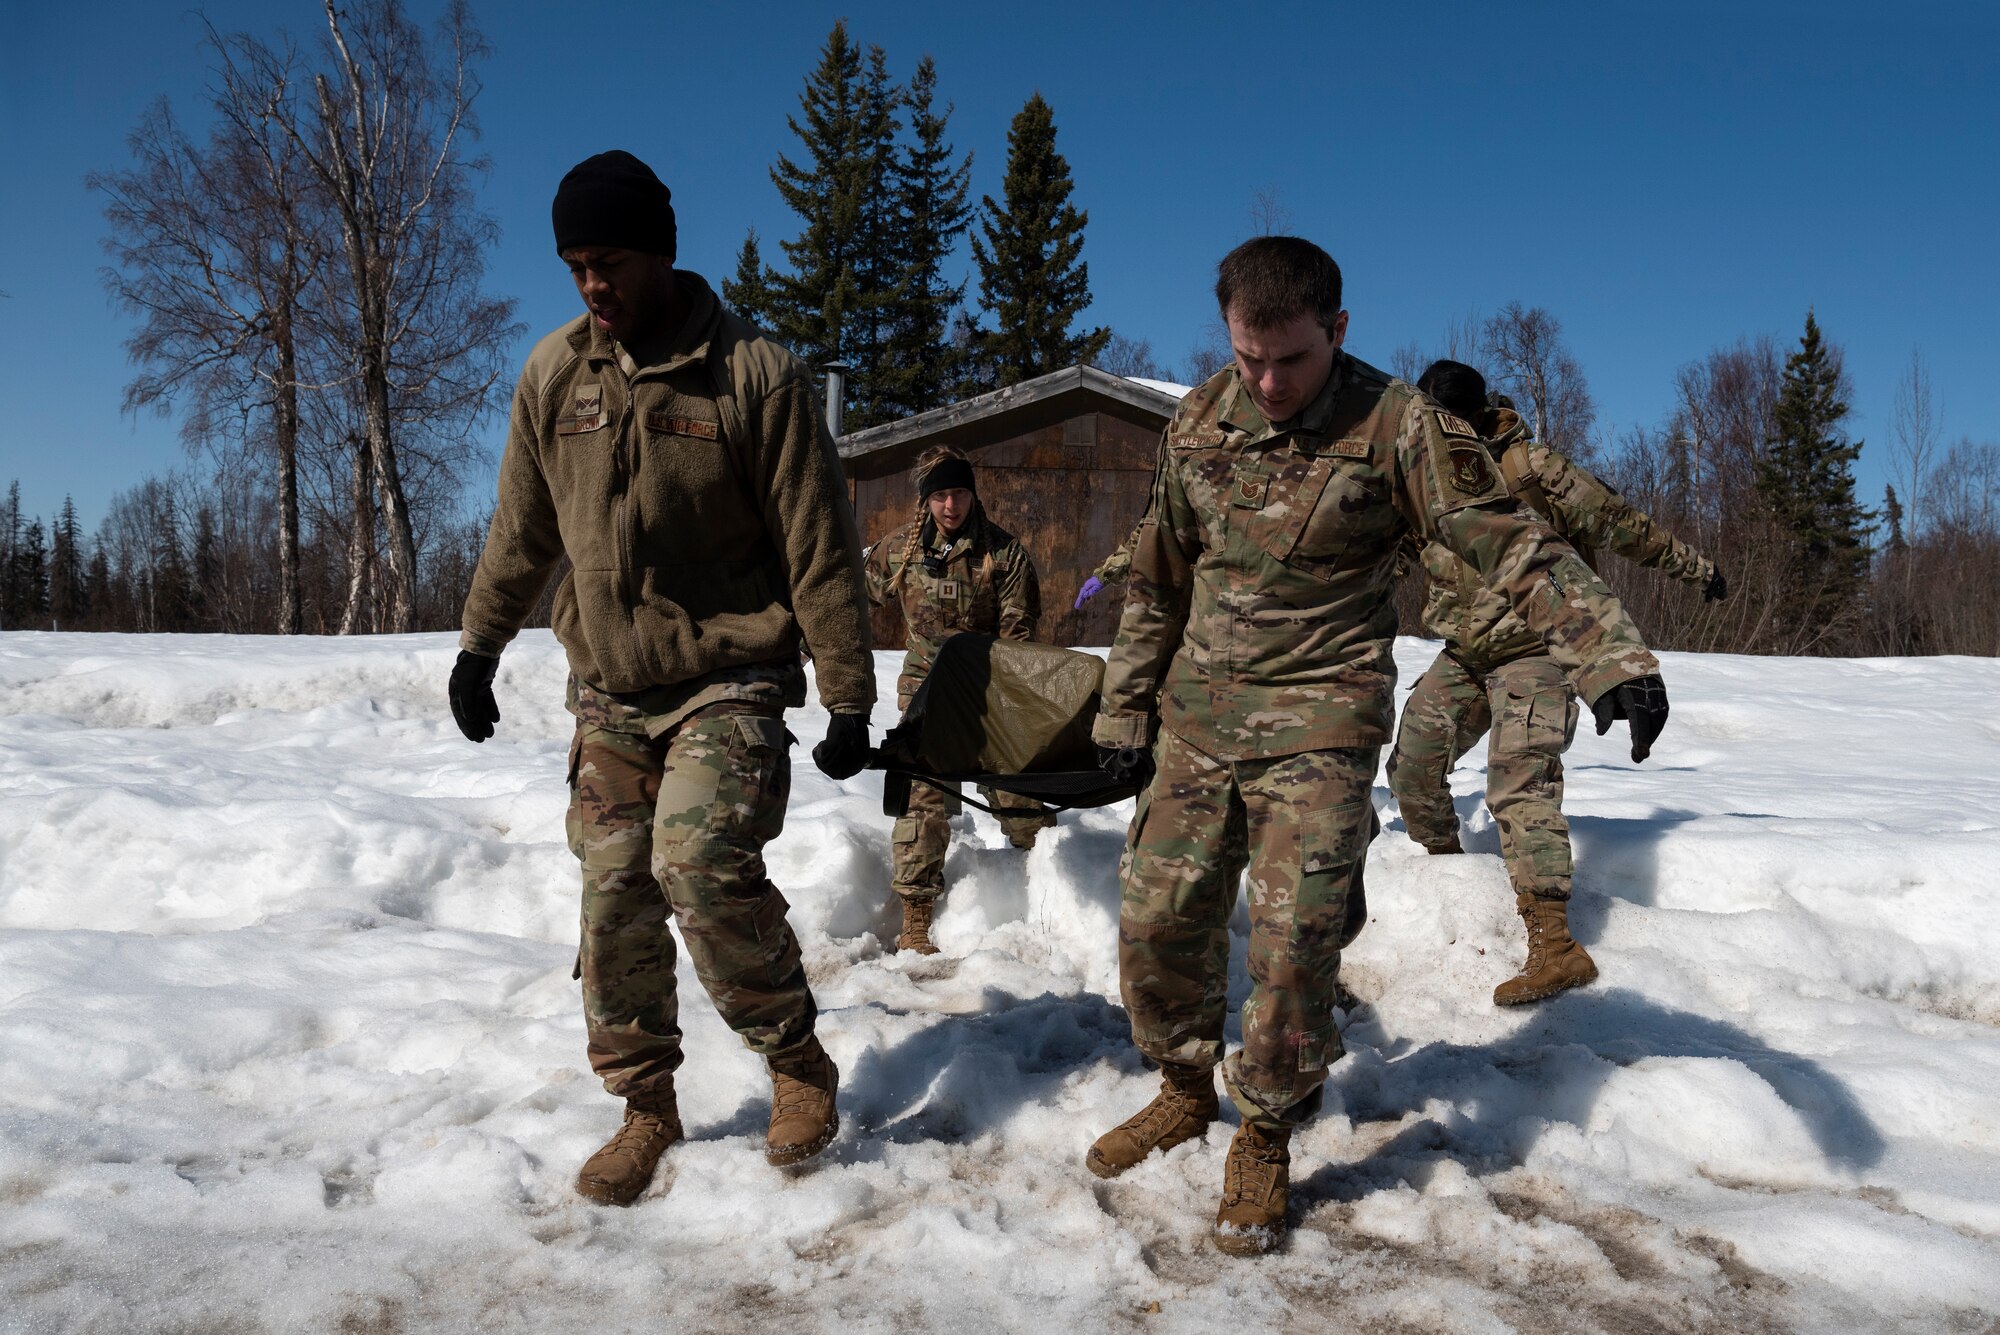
(1117, 566)
(1258, 620)
(1479, 625)
(701, 505)
(982, 581)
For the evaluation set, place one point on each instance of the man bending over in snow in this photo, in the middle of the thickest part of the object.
(1496, 673)
(676, 455)
(1252, 680)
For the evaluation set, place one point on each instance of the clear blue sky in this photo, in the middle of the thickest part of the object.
(1664, 178)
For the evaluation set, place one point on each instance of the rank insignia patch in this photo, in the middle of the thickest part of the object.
(1470, 473)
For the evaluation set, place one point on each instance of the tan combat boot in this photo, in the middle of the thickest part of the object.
(616, 1174)
(1453, 847)
(1555, 962)
(916, 933)
(1182, 1110)
(803, 1120)
(1255, 1181)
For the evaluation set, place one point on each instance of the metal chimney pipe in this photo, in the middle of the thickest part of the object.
(836, 395)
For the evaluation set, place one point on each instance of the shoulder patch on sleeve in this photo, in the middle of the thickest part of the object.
(1470, 472)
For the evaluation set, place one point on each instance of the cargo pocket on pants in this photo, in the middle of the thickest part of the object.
(1313, 1045)
(1330, 844)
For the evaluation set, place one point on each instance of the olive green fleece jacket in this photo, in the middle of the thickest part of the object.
(700, 502)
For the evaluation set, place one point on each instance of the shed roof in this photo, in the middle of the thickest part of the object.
(1054, 397)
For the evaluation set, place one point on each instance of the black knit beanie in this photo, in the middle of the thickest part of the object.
(943, 474)
(613, 199)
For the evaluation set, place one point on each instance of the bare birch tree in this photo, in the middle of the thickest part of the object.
(215, 248)
(1915, 425)
(1525, 358)
(386, 138)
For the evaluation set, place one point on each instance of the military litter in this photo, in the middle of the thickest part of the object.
(288, 1038)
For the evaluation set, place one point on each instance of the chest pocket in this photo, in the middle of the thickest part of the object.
(1321, 498)
(958, 599)
(688, 475)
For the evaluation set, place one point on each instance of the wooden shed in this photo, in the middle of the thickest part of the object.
(1065, 463)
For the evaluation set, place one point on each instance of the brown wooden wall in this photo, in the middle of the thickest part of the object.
(1070, 491)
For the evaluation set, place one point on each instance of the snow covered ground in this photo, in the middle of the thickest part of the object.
(288, 1039)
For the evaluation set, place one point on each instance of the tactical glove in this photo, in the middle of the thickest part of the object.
(471, 690)
(1091, 588)
(1716, 589)
(1642, 700)
(1126, 765)
(845, 750)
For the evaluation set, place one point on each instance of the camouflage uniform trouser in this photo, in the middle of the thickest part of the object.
(1301, 825)
(1532, 711)
(678, 823)
(923, 835)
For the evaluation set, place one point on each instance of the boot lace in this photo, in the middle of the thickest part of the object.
(1538, 938)
(792, 1095)
(1248, 1178)
(640, 1128)
(916, 920)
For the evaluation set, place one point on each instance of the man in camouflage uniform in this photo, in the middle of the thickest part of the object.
(677, 457)
(1256, 641)
(1495, 673)
(950, 569)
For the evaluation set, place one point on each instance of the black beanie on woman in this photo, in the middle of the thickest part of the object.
(944, 474)
(613, 199)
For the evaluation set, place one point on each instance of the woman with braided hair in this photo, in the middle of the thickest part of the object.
(950, 569)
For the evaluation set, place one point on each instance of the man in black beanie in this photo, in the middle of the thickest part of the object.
(678, 457)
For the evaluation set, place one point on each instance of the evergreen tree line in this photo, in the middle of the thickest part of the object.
(1753, 467)
(199, 554)
(883, 200)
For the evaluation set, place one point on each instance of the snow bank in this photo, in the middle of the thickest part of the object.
(288, 1038)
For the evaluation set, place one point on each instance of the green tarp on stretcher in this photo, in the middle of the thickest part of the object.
(1006, 715)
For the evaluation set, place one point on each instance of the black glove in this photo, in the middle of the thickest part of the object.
(1126, 765)
(1644, 701)
(845, 749)
(1716, 590)
(472, 703)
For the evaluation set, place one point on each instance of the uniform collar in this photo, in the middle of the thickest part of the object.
(689, 346)
(1240, 412)
(975, 524)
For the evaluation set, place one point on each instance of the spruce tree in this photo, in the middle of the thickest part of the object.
(920, 367)
(99, 593)
(819, 299)
(11, 596)
(878, 270)
(1032, 277)
(68, 598)
(28, 581)
(1806, 481)
(753, 292)
(1892, 515)
(205, 584)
